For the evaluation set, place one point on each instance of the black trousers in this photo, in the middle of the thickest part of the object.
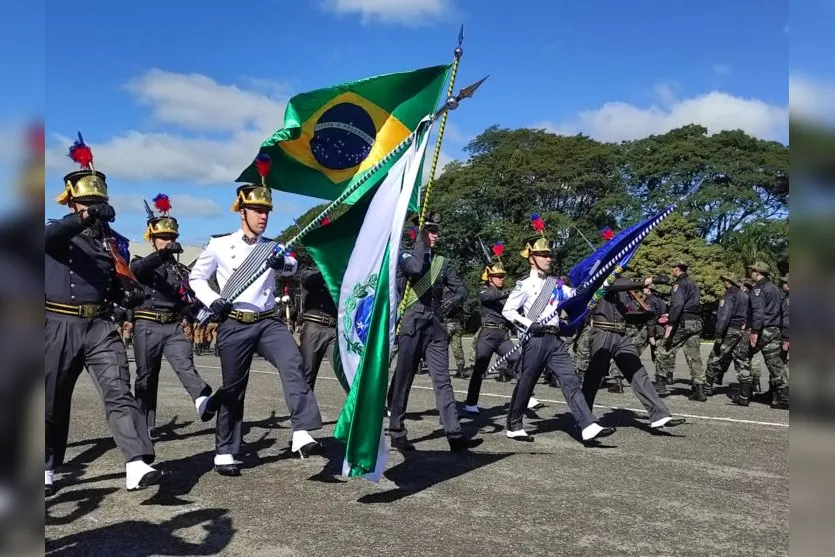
(489, 341)
(540, 353)
(609, 345)
(237, 343)
(422, 338)
(71, 344)
(315, 341)
(152, 340)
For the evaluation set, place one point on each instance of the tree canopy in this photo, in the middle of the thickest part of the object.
(580, 186)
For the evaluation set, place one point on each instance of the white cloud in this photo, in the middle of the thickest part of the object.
(197, 102)
(722, 69)
(240, 118)
(812, 98)
(443, 160)
(717, 111)
(406, 12)
(181, 205)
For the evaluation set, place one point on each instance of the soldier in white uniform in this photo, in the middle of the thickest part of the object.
(251, 322)
(531, 300)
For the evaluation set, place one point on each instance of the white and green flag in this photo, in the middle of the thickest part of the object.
(367, 237)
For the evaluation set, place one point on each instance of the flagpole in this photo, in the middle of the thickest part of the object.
(424, 203)
(450, 104)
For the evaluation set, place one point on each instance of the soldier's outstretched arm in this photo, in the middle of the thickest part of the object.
(622, 284)
(142, 266)
(493, 295)
(60, 231)
(203, 269)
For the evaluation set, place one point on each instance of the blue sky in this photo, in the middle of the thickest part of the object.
(175, 97)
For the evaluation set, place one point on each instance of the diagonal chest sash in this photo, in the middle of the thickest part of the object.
(425, 282)
(251, 264)
(542, 299)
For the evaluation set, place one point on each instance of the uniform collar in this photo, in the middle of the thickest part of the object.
(242, 237)
(537, 274)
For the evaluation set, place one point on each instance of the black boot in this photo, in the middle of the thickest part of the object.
(502, 377)
(661, 386)
(708, 387)
(782, 398)
(670, 379)
(743, 396)
(719, 377)
(616, 386)
(698, 393)
(755, 386)
(459, 373)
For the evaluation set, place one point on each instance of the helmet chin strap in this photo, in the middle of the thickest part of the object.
(538, 268)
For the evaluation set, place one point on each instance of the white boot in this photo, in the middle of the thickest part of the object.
(200, 404)
(47, 481)
(534, 404)
(660, 423)
(301, 438)
(139, 475)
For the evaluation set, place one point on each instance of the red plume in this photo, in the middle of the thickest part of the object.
(325, 221)
(262, 163)
(80, 152)
(412, 233)
(536, 222)
(607, 233)
(162, 203)
(498, 249)
(36, 139)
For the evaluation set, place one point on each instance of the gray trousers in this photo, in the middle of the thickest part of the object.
(424, 338)
(237, 343)
(152, 340)
(608, 346)
(71, 344)
(315, 340)
(488, 342)
(547, 352)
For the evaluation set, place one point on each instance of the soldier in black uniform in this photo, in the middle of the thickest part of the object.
(317, 333)
(764, 334)
(494, 335)
(682, 330)
(610, 341)
(159, 330)
(730, 319)
(83, 270)
(423, 335)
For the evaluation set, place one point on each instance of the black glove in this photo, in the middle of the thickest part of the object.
(221, 307)
(100, 213)
(717, 346)
(275, 261)
(536, 329)
(661, 279)
(132, 297)
(172, 248)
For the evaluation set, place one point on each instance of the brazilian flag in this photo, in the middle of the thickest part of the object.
(331, 136)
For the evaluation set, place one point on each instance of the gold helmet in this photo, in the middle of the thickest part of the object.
(253, 196)
(86, 185)
(496, 268)
(538, 244)
(163, 225)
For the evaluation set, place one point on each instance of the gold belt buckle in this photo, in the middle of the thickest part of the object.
(89, 311)
(247, 317)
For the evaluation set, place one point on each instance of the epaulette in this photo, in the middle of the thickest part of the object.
(221, 235)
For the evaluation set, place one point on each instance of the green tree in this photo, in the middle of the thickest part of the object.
(678, 239)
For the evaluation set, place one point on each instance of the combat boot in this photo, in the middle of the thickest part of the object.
(708, 387)
(616, 386)
(459, 373)
(743, 395)
(719, 377)
(661, 386)
(698, 393)
(670, 379)
(502, 377)
(755, 386)
(782, 398)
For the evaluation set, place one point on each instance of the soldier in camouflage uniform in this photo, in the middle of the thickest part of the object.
(681, 330)
(764, 335)
(455, 332)
(733, 309)
(756, 365)
(582, 350)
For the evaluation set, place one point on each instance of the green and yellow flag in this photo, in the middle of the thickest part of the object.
(332, 135)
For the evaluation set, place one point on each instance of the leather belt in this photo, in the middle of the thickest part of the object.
(251, 316)
(608, 326)
(493, 326)
(325, 320)
(87, 311)
(163, 317)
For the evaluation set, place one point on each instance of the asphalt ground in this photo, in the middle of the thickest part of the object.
(718, 485)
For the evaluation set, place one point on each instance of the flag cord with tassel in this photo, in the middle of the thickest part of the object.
(424, 203)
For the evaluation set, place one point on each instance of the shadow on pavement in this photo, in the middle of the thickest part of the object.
(134, 538)
(86, 500)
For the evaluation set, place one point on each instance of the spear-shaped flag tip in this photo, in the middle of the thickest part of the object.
(468, 91)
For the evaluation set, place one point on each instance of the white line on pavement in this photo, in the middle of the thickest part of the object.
(694, 416)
